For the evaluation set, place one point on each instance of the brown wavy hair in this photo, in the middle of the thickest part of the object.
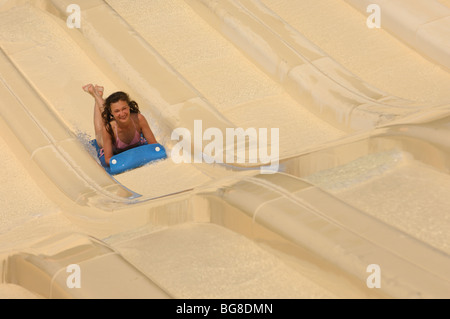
(114, 98)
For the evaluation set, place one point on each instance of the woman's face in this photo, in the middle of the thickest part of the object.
(120, 111)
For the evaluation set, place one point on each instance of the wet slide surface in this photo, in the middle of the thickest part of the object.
(396, 189)
(203, 56)
(392, 187)
(67, 67)
(214, 253)
(445, 2)
(373, 55)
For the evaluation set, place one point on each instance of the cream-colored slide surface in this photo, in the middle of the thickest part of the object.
(356, 208)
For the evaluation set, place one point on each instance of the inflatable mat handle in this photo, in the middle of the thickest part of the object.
(136, 157)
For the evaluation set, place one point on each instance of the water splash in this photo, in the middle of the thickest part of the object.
(358, 171)
(86, 140)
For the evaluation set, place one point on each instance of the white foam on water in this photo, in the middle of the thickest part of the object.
(357, 172)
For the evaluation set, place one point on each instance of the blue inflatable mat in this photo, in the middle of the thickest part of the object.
(131, 159)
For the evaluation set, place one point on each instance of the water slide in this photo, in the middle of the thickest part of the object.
(362, 115)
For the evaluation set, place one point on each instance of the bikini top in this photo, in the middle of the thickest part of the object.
(121, 146)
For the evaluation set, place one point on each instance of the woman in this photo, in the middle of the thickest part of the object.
(119, 125)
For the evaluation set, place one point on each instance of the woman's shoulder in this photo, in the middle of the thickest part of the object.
(113, 124)
(136, 117)
(139, 115)
(140, 118)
